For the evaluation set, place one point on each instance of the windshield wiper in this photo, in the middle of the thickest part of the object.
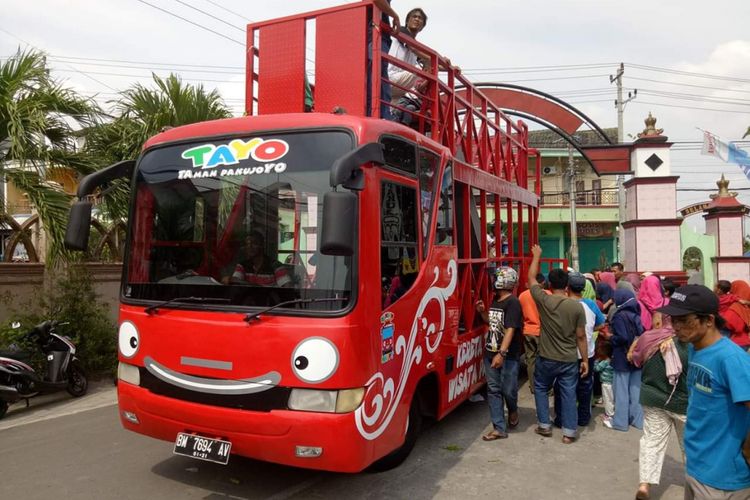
(188, 300)
(254, 315)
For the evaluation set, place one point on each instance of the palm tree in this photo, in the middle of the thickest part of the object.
(38, 122)
(142, 112)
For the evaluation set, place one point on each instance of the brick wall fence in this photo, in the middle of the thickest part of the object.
(22, 281)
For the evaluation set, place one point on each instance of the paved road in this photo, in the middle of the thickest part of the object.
(76, 449)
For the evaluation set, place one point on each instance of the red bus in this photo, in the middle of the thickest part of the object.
(300, 287)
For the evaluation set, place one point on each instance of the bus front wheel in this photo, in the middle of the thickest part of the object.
(413, 427)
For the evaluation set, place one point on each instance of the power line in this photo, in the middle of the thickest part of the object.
(74, 69)
(230, 11)
(688, 73)
(687, 85)
(210, 15)
(149, 76)
(695, 97)
(689, 107)
(191, 22)
(153, 63)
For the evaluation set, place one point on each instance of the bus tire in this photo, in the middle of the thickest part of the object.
(397, 456)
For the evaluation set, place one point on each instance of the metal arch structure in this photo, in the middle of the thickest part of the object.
(606, 158)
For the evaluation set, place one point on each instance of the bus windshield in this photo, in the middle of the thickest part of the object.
(237, 220)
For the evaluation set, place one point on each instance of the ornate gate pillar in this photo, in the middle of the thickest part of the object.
(652, 232)
(725, 220)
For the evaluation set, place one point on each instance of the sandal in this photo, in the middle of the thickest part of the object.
(494, 435)
(543, 432)
(568, 440)
(513, 422)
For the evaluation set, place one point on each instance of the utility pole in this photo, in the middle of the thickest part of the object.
(620, 105)
(573, 221)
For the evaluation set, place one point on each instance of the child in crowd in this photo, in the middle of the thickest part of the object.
(603, 366)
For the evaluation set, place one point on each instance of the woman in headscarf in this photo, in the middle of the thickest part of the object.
(608, 278)
(738, 315)
(664, 360)
(634, 280)
(651, 298)
(605, 294)
(625, 327)
(588, 291)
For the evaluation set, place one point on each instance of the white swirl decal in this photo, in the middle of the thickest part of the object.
(381, 399)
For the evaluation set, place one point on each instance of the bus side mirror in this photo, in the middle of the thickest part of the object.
(347, 171)
(339, 223)
(79, 226)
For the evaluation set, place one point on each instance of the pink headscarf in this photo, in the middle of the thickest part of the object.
(651, 298)
(634, 280)
(608, 278)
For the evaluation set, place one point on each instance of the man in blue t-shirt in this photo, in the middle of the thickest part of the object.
(717, 433)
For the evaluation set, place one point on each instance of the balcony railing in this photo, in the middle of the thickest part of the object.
(598, 197)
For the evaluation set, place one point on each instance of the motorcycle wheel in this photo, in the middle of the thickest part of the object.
(78, 384)
(3, 408)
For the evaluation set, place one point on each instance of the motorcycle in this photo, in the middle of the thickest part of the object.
(18, 380)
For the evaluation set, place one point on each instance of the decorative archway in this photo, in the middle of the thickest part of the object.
(563, 118)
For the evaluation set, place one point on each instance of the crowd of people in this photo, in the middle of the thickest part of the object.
(662, 357)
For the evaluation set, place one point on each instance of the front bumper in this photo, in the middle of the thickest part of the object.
(270, 436)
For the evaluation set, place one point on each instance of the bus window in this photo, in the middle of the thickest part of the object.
(239, 230)
(400, 154)
(444, 233)
(399, 261)
(429, 164)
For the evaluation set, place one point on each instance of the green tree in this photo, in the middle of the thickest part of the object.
(39, 120)
(142, 112)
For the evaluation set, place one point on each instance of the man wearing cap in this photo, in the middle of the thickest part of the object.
(563, 338)
(502, 352)
(594, 321)
(717, 433)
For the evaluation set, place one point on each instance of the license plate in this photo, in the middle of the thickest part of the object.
(202, 448)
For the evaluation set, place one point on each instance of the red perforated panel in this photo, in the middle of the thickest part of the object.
(340, 61)
(281, 68)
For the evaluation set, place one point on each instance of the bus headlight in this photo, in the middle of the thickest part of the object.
(128, 373)
(343, 401)
(349, 399)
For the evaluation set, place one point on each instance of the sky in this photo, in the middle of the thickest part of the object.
(689, 60)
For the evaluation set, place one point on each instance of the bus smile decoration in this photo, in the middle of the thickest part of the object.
(207, 157)
(212, 385)
(383, 395)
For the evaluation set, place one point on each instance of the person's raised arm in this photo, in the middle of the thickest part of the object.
(536, 252)
(385, 6)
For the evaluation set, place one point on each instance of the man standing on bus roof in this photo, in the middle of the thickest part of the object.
(416, 20)
(562, 339)
(385, 46)
(256, 268)
(502, 352)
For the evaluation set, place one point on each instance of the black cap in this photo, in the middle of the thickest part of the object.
(576, 281)
(691, 299)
